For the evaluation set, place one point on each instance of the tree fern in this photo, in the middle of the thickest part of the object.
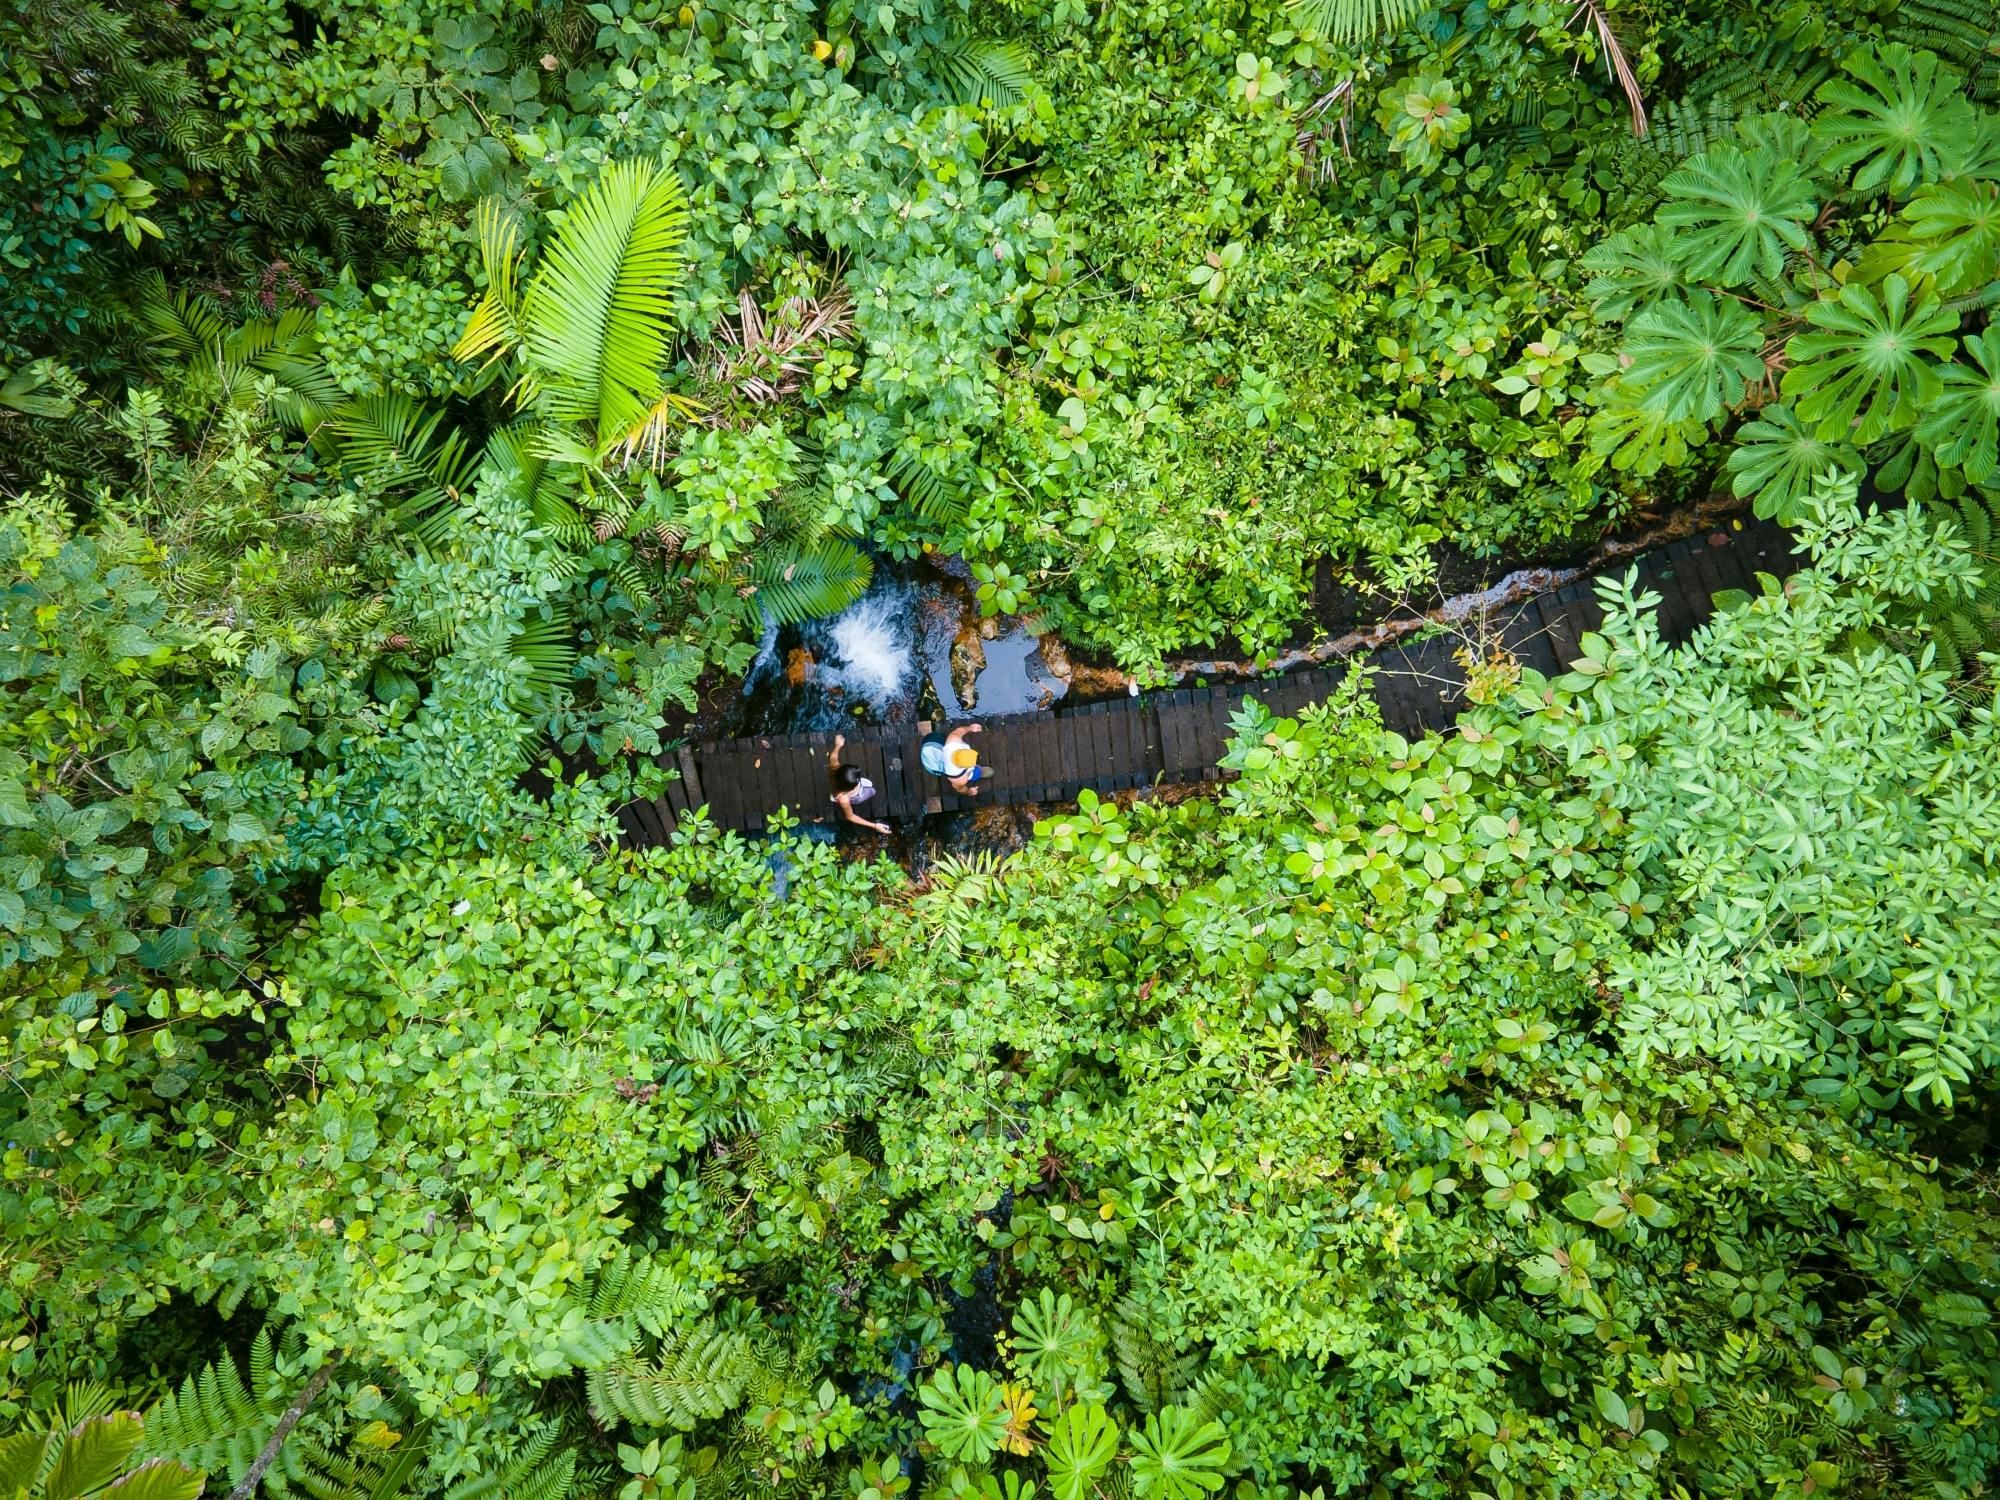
(695, 1377)
(797, 581)
(982, 72)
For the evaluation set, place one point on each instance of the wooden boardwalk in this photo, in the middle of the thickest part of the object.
(1178, 736)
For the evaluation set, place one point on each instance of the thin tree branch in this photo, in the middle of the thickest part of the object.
(268, 1455)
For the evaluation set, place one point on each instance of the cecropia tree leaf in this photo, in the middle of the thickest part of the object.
(1897, 119)
(1868, 368)
(1735, 215)
(1692, 360)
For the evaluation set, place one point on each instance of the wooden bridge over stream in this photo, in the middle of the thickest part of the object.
(1178, 736)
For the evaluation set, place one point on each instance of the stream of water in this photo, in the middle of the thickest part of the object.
(889, 659)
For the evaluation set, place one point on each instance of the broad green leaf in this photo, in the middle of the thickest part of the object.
(1949, 234)
(1177, 1456)
(1777, 458)
(1865, 372)
(1896, 120)
(1736, 215)
(1633, 267)
(1693, 360)
(1962, 425)
(1082, 1444)
(964, 1413)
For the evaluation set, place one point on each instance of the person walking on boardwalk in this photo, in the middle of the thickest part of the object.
(949, 757)
(848, 786)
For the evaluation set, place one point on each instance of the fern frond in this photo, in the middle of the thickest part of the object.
(392, 443)
(642, 1288)
(218, 1423)
(1156, 1376)
(696, 1378)
(548, 648)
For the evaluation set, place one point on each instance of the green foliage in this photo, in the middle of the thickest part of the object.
(83, 1451)
(1694, 359)
(1864, 372)
(695, 1377)
(1864, 241)
(218, 1422)
(1735, 215)
(964, 1413)
(1901, 121)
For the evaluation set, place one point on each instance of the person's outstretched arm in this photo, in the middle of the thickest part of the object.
(833, 755)
(847, 811)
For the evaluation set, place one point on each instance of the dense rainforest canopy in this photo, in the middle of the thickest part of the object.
(410, 410)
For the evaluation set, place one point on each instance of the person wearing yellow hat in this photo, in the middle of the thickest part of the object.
(948, 756)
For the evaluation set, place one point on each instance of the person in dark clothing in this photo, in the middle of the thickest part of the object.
(847, 786)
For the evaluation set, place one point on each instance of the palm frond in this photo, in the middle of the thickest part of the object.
(1353, 22)
(936, 500)
(393, 444)
(982, 72)
(493, 330)
(598, 315)
(797, 581)
(547, 647)
(184, 324)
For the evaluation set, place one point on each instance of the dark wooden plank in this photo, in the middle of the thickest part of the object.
(900, 756)
(650, 819)
(1395, 688)
(636, 833)
(1731, 564)
(1070, 736)
(674, 796)
(1127, 749)
(719, 783)
(1152, 754)
(1048, 757)
(1563, 633)
(1526, 639)
(815, 796)
(1177, 731)
(776, 767)
(1096, 747)
(1705, 580)
(690, 775)
(1667, 575)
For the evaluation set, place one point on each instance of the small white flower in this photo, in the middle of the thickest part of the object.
(461, 909)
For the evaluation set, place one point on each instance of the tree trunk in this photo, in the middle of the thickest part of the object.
(269, 1453)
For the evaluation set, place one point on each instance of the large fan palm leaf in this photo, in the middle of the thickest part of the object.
(597, 320)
